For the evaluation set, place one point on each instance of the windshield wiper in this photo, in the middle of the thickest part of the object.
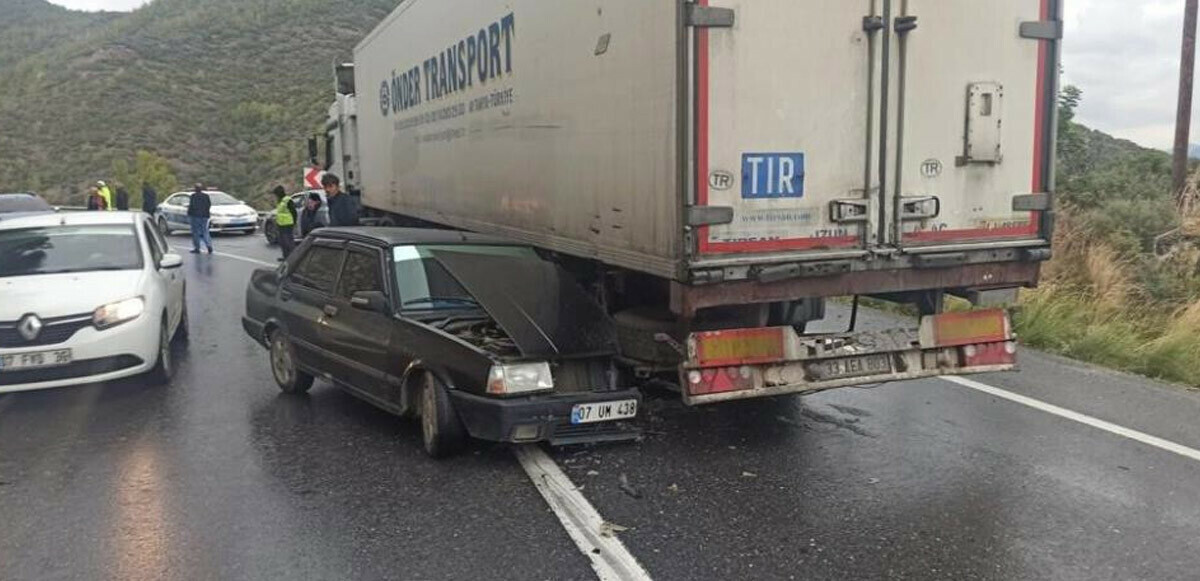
(431, 300)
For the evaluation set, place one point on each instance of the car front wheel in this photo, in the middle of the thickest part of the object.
(163, 226)
(442, 432)
(271, 232)
(164, 367)
(283, 366)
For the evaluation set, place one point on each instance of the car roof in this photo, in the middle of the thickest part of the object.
(68, 219)
(387, 236)
(23, 202)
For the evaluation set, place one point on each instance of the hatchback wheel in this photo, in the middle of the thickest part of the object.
(283, 366)
(164, 368)
(442, 432)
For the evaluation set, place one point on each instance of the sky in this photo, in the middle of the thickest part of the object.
(1124, 54)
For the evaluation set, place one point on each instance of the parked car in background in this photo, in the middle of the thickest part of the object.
(228, 214)
(475, 335)
(24, 202)
(88, 297)
(271, 230)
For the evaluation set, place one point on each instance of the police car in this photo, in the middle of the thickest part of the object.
(228, 214)
(88, 297)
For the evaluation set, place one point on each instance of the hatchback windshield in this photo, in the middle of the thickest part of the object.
(60, 249)
(424, 284)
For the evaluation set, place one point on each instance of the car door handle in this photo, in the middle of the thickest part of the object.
(331, 310)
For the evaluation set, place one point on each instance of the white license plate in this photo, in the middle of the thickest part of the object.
(35, 360)
(850, 367)
(589, 413)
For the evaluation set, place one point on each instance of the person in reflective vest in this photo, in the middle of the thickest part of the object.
(106, 194)
(285, 220)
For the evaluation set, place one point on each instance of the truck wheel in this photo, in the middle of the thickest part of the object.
(442, 432)
(636, 331)
(283, 366)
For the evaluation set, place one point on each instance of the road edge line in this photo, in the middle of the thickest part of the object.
(1085, 419)
(608, 555)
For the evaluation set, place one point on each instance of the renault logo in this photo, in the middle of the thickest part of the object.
(30, 327)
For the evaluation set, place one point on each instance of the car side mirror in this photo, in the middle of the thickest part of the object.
(169, 261)
(369, 301)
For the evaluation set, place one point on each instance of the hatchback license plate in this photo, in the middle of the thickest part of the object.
(17, 361)
(850, 367)
(590, 413)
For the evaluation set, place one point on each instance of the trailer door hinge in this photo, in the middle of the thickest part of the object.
(709, 16)
(709, 215)
(1042, 29)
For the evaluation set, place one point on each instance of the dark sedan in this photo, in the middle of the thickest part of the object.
(474, 335)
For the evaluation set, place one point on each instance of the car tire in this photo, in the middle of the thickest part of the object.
(283, 366)
(164, 366)
(163, 226)
(183, 332)
(442, 432)
(271, 232)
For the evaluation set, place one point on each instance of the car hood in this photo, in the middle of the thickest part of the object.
(226, 211)
(538, 305)
(61, 295)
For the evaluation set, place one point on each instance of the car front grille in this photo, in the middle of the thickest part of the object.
(566, 434)
(77, 369)
(54, 331)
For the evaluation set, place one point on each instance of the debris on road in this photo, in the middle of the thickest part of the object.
(627, 488)
(749, 475)
(608, 529)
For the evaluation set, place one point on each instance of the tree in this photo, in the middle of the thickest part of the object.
(148, 168)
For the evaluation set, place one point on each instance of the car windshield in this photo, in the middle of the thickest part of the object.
(61, 249)
(424, 284)
(223, 199)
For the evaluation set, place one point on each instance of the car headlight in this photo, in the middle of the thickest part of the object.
(114, 314)
(520, 378)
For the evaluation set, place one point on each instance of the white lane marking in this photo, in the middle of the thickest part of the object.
(233, 256)
(610, 559)
(1078, 417)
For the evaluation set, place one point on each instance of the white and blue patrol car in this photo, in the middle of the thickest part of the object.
(228, 214)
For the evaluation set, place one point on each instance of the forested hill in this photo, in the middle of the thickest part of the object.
(225, 90)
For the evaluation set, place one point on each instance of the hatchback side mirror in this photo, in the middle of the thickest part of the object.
(169, 261)
(369, 301)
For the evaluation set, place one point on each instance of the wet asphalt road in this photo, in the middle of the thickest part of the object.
(221, 477)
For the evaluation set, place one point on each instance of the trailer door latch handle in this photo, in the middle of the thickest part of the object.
(709, 16)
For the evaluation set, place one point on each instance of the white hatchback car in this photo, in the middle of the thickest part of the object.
(87, 297)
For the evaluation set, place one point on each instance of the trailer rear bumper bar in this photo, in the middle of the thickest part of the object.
(753, 363)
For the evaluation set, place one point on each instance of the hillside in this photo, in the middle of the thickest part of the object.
(225, 90)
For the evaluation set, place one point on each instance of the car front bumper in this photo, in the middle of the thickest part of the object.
(96, 356)
(497, 420)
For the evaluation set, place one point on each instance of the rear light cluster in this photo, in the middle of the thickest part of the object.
(990, 354)
(720, 380)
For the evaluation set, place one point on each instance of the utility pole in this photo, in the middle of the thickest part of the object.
(1183, 120)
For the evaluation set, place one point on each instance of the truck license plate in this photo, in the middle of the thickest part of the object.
(589, 413)
(36, 360)
(850, 367)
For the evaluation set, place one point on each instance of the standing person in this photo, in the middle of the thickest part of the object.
(94, 201)
(149, 199)
(122, 199)
(106, 194)
(199, 211)
(310, 218)
(342, 211)
(285, 220)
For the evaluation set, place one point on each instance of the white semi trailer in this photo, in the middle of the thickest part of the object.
(716, 169)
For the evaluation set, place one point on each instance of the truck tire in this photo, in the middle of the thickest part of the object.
(442, 432)
(636, 331)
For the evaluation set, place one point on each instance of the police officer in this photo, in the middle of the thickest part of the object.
(285, 219)
(106, 195)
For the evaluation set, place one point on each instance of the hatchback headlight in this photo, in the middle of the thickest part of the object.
(520, 378)
(114, 314)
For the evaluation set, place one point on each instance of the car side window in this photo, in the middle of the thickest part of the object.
(318, 268)
(361, 273)
(156, 250)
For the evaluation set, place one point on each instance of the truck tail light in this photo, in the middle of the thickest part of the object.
(720, 380)
(738, 347)
(1002, 353)
(960, 329)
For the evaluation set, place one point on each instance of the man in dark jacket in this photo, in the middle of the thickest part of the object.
(122, 199)
(310, 218)
(149, 199)
(199, 211)
(342, 210)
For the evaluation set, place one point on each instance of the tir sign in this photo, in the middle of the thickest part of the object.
(772, 175)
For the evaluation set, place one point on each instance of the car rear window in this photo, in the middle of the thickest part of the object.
(64, 249)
